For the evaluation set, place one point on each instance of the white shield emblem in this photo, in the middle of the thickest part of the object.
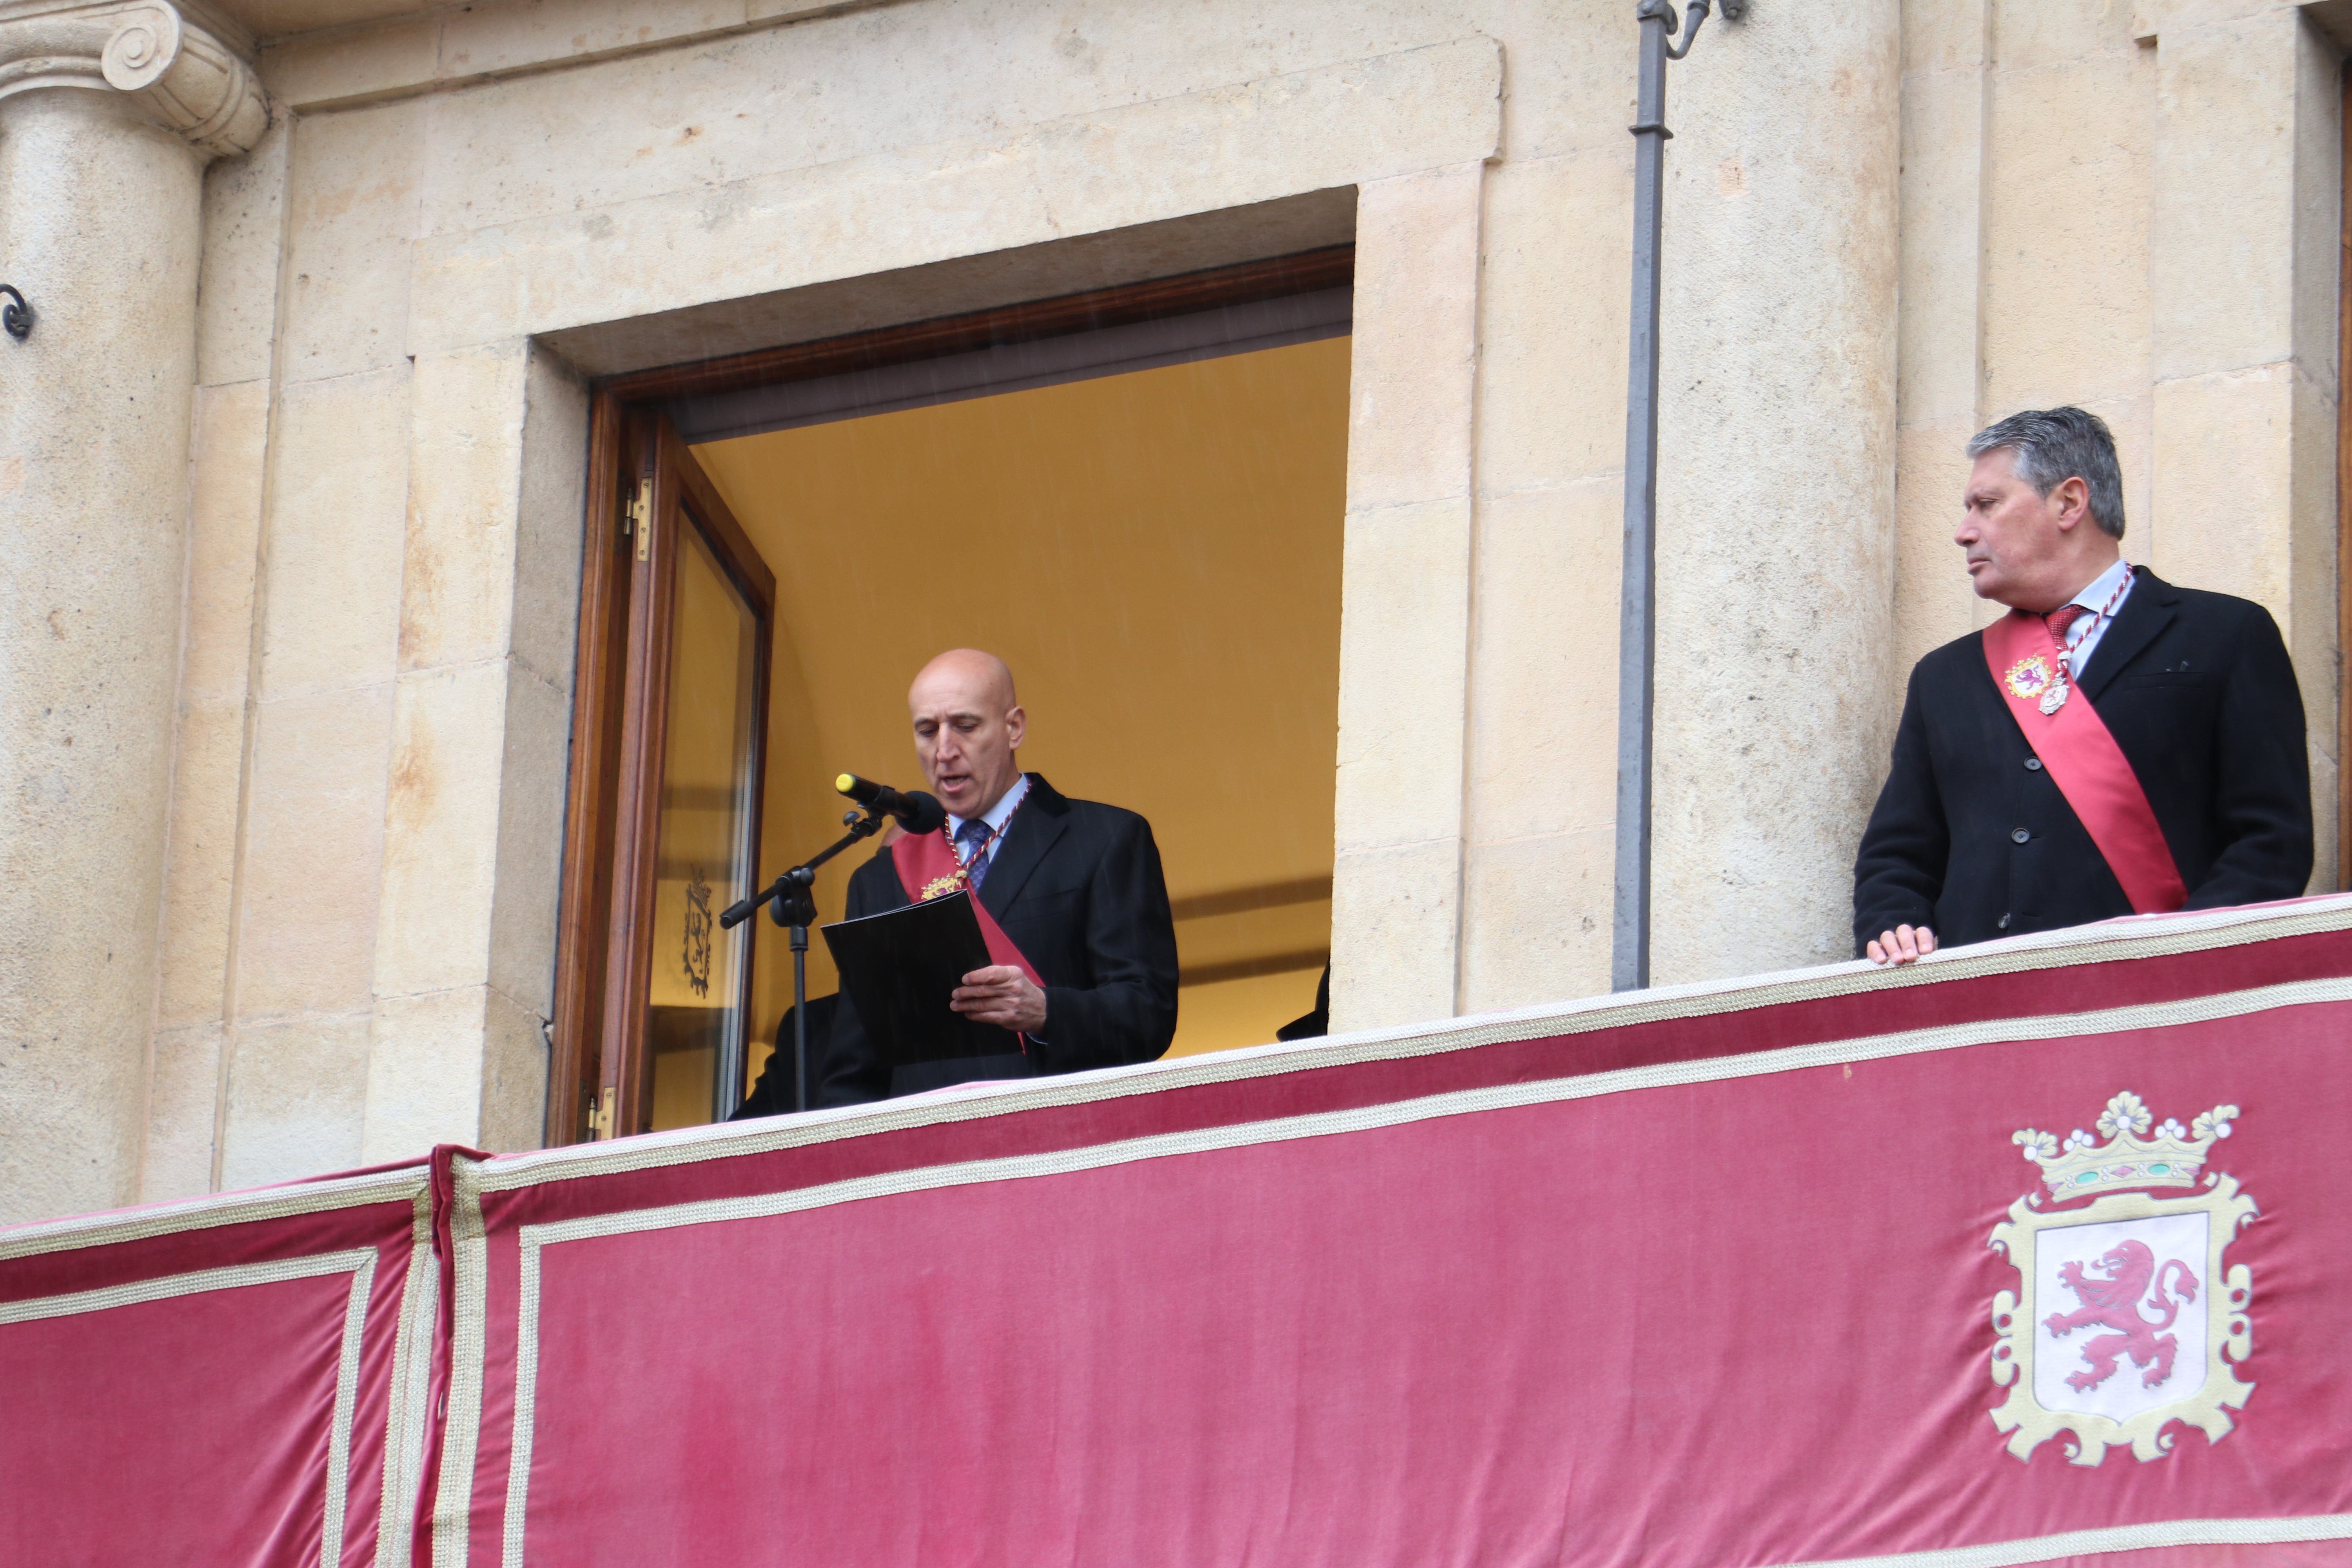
(2125, 1319)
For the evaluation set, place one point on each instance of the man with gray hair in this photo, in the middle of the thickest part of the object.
(2114, 746)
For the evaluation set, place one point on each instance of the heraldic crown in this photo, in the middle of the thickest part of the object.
(2131, 1156)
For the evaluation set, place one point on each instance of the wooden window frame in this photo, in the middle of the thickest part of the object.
(599, 1023)
(650, 484)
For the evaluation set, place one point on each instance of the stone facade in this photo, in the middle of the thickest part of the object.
(297, 452)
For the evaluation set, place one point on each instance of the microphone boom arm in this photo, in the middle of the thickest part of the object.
(790, 890)
(794, 904)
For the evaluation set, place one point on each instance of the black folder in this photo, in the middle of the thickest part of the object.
(899, 967)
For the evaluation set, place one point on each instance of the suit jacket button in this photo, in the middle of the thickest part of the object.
(2033, 764)
(2020, 836)
(2001, 924)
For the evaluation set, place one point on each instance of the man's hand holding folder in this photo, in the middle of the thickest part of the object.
(923, 983)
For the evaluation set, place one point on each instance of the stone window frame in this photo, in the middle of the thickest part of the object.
(510, 327)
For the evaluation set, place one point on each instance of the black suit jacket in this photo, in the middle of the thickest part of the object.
(775, 1093)
(1972, 838)
(1077, 886)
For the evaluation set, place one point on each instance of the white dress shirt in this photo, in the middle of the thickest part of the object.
(998, 816)
(2083, 637)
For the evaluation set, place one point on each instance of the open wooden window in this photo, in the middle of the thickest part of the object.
(664, 824)
(656, 1000)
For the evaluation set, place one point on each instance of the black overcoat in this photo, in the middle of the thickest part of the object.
(1972, 838)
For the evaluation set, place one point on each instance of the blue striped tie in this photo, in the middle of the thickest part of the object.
(973, 836)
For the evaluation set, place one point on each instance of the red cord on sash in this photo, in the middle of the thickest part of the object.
(2089, 769)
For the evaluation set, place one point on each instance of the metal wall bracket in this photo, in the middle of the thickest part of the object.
(15, 316)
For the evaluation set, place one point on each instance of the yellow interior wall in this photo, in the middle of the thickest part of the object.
(1156, 554)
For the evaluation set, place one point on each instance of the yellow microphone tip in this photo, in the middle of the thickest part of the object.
(845, 782)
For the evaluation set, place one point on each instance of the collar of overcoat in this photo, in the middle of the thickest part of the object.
(2151, 607)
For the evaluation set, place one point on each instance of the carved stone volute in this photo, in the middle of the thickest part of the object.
(183, 68)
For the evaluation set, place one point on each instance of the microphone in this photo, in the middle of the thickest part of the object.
(917, 811)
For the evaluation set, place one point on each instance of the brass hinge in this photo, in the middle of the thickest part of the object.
(641, 517)
(600, 1121)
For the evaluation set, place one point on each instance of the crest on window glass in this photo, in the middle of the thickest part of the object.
(696, 959)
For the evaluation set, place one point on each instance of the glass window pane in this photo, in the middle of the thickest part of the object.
(704, 849)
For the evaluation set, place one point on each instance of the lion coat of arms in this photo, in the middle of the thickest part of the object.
(2126, 1320)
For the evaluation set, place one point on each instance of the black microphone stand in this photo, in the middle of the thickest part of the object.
(792, 904)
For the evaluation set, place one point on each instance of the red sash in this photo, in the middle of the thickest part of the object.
(928, 868)
(2089, 769)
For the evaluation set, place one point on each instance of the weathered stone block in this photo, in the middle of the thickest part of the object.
(1415, 365)
(1942, 243)
(1199, 152)
(1944, 36)
(424, 1071)
(2028, 36)
(2223, 485)
(461, 1065)
(533, 769)
(183, 1094)
(1543, 663)
(297, 1097)
(514, 1076)
(1551, 384)
(1933, 601)
(2222, 263)
(335, 527)
(550, 524)
(1536, 916)
(352, 189)
(505, 36)
(237, 295)
(229, 468)
(440, 831)
(1396, 927)
(199, 866)
(457, 581)
(2066, 302)
(314, 843)
(1404, 630)
(352, 65)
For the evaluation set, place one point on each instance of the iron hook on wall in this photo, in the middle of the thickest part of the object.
(15, 316)
(1664, 10)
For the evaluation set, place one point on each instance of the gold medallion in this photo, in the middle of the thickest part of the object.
(2029, 676)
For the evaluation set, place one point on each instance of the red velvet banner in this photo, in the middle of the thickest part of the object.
(2029, 1253)
(237, 1380)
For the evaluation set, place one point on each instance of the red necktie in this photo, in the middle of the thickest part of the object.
(2064, 616)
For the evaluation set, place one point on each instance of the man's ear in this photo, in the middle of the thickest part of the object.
(1016, 723)
(2073, 499)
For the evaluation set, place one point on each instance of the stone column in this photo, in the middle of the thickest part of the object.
(1778, 687)
(108, 116)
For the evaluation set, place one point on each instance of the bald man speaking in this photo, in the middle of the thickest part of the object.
(1075, 885)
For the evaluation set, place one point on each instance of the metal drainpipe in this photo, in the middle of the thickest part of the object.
(1637, 630)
